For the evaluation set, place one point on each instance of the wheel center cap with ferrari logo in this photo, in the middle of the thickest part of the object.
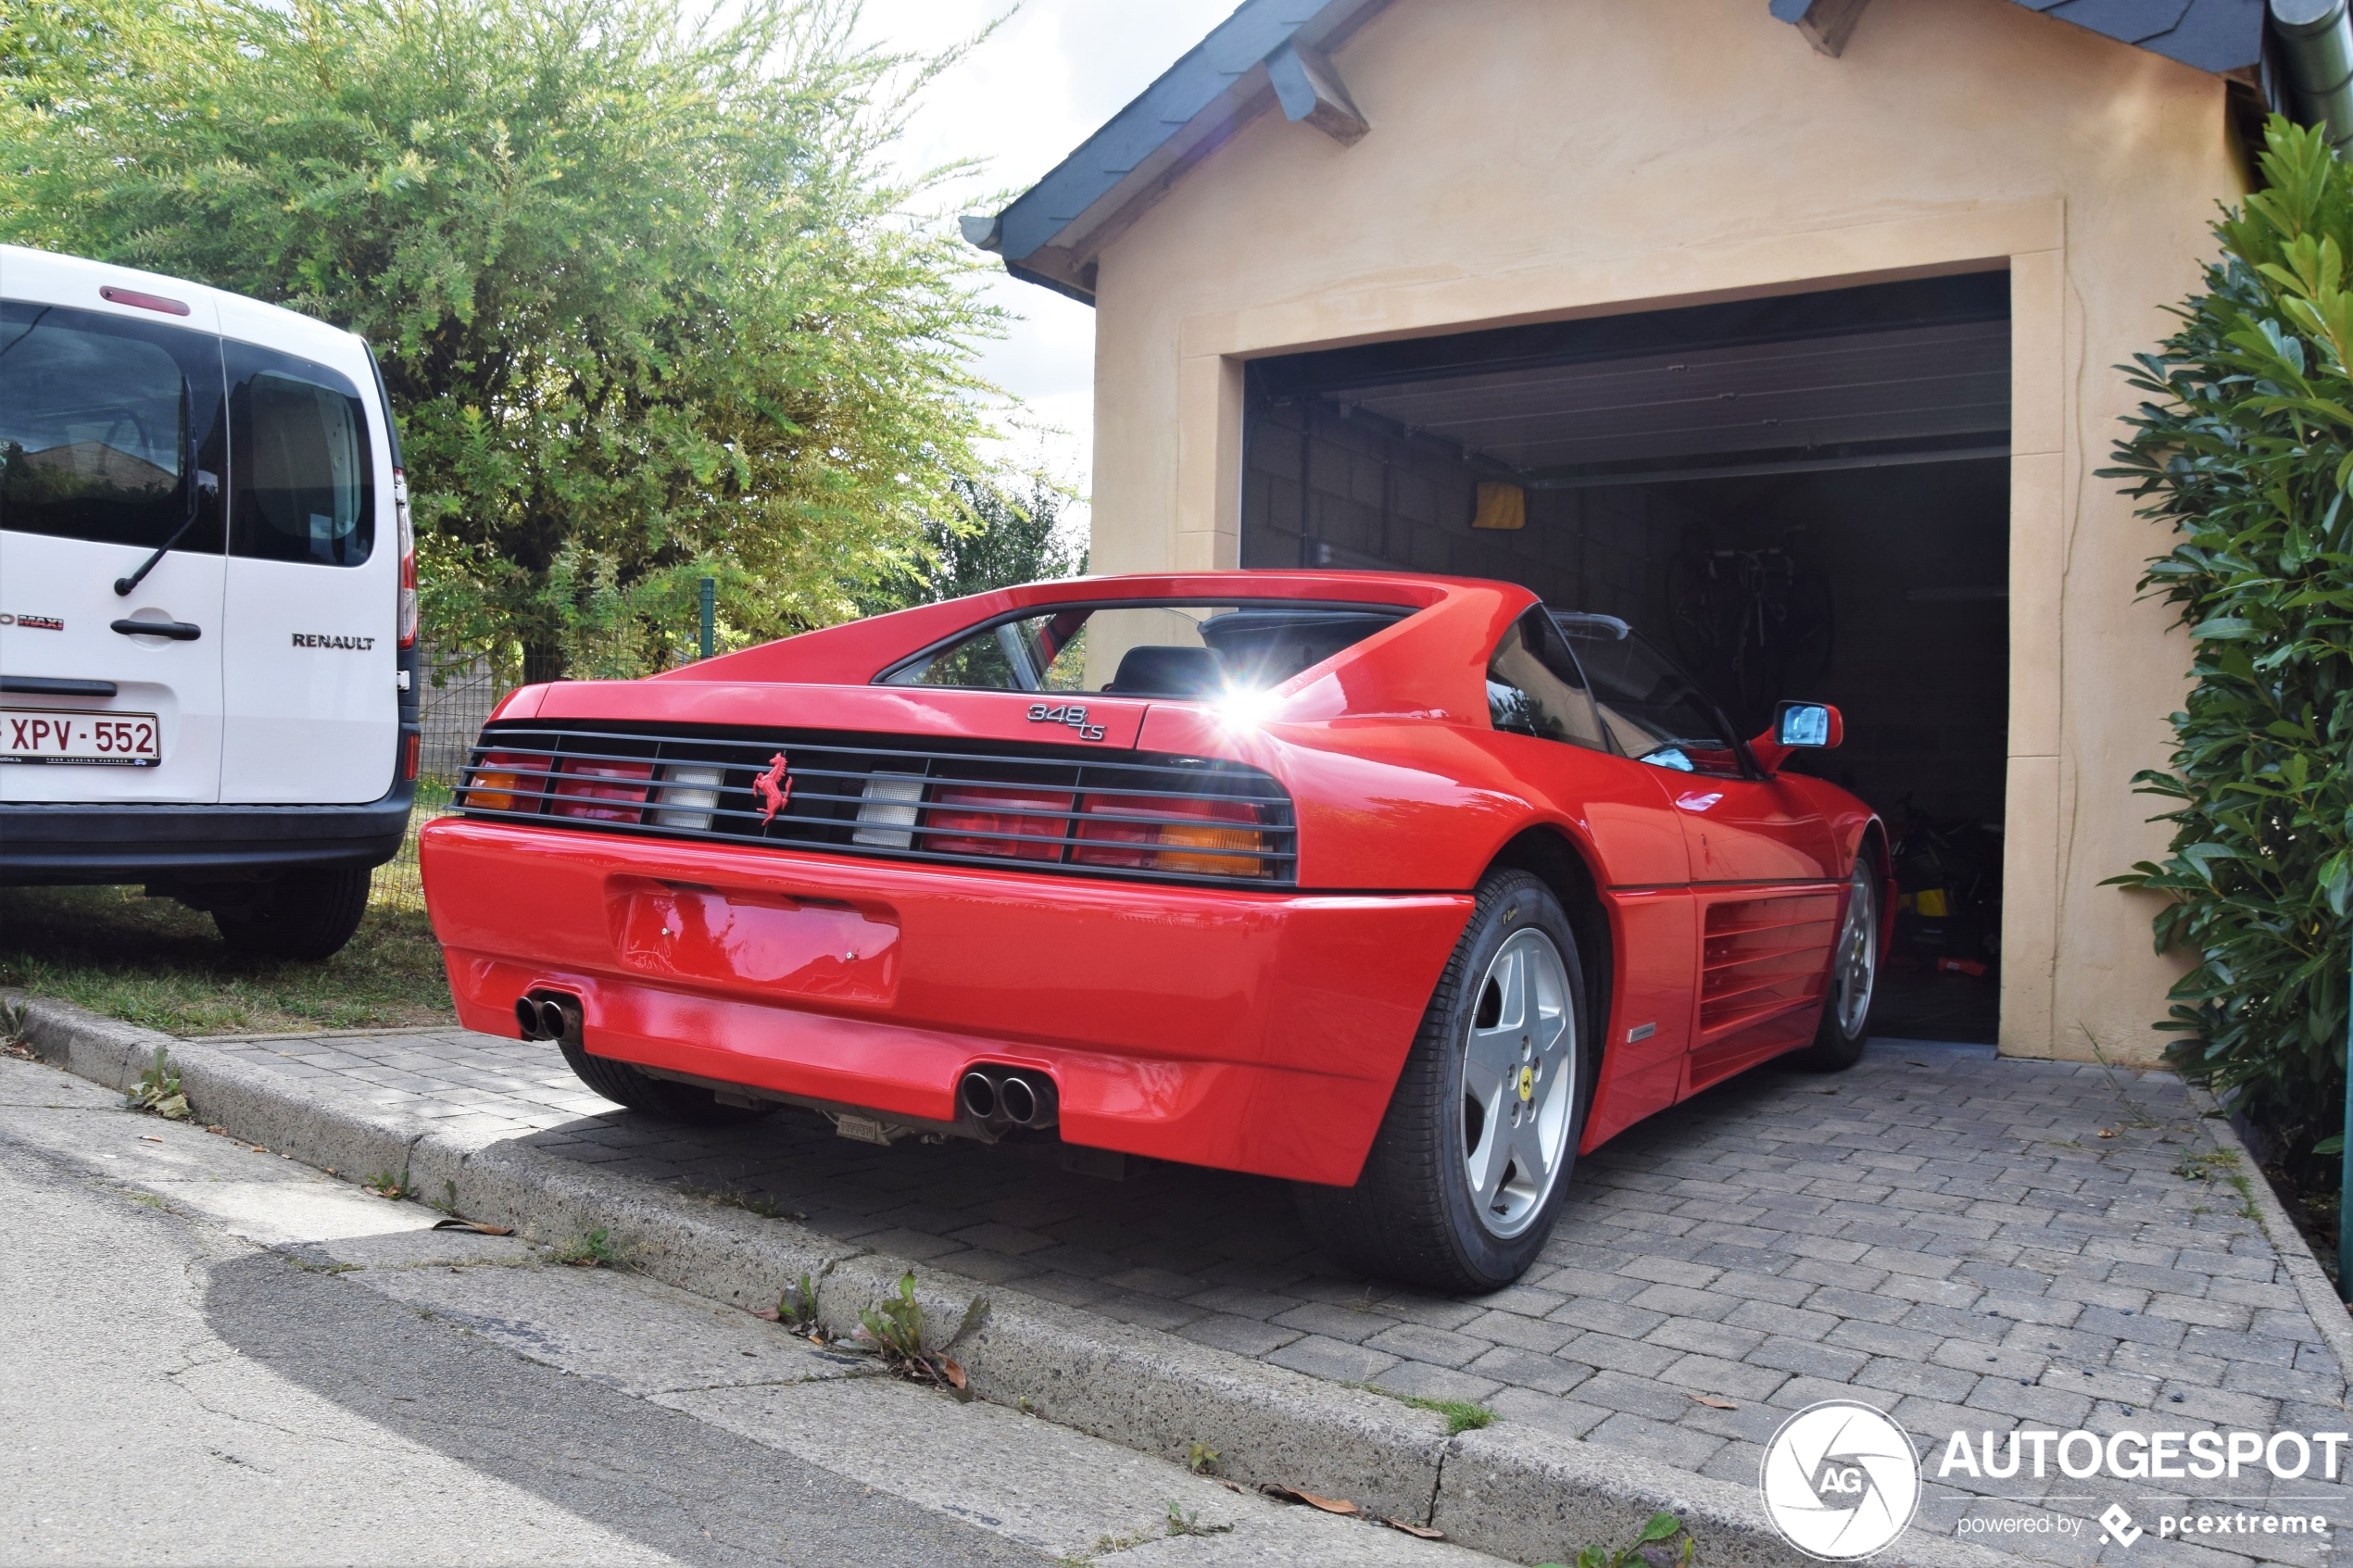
(1527, 1082)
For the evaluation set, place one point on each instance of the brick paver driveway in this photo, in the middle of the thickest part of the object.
(1969, 1243)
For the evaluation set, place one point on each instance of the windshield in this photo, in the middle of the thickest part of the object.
(1653, 712)
(1191, 651)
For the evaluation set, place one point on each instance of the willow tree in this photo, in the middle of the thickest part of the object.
(646, 291)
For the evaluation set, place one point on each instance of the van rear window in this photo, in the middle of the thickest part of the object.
(106, 425)
(301, 482)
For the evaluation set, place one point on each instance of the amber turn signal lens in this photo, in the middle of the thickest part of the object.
(493, 792)
(501, 785)
(1175, 840)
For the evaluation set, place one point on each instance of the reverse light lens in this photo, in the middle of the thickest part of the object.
(602, 792)
(958, 809)
(1225, 842)
(887, 810)
(505, 782)
(689, 794)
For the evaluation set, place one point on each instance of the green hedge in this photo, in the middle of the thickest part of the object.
(2246, 448)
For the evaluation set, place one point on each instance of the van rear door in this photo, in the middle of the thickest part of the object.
(112, 438)
(310, 655)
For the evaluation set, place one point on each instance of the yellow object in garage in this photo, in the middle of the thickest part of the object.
(1501, 505)
(1929, 903)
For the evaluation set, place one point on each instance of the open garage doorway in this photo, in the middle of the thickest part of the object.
(1800, 496)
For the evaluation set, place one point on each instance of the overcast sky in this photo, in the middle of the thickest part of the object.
(1049, 75)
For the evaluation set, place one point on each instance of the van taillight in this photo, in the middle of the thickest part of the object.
(407, 559)
(1218, 838)
(409, 757)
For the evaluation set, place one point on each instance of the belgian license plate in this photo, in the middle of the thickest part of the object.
(58, 734)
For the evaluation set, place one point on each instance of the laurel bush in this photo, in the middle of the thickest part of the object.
(2246, 450)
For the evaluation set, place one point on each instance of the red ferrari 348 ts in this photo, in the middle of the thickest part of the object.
(1406, 888)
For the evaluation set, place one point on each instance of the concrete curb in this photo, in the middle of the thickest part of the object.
(2313, 1285)
(1508, 1489)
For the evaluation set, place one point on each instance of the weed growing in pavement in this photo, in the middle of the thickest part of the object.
(1202, 1459)
(385, 1185)
(590, 1252)
(797, 1306)
(1461, 1414)
(159, 1090)
(446, 1203)
(893, 1329)
(1655, 1548)
(1187, 1522)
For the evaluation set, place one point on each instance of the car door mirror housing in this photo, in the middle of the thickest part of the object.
(1802, 725)
(1798, 726)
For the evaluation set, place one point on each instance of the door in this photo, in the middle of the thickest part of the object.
(1764, 868)
(309, 661)
(111, 443)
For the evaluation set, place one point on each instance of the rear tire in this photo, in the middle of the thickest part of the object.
(1853, 976)
(1472, 1161)
(624, 1084)
(303, 915)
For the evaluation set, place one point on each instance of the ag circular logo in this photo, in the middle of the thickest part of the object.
(1840, 1480)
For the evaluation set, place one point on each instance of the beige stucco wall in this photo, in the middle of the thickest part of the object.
(1540, 158)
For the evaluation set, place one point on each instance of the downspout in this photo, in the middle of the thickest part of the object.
(2316, 43)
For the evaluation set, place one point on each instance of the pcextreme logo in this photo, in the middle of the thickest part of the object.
(1841, 1480)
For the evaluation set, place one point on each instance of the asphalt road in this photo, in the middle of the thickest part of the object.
(215, 1355)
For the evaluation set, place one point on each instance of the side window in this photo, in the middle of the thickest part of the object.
(1653, 711)
(1535, 688)
(109, 430)
(301, 485)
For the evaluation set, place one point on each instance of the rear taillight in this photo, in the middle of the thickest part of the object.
(968, 821)
(505, 782)
(409, 757)
(1210, 838)
(408, 539)
(602, 792)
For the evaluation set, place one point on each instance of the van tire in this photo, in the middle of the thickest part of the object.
(303, 915)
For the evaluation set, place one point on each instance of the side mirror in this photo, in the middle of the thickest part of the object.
(1798, 726)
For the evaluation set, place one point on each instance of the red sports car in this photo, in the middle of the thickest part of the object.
(1406, 888)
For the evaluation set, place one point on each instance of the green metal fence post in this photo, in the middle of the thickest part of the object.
(709, 615)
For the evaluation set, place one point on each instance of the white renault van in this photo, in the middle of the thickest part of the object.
(207, 602)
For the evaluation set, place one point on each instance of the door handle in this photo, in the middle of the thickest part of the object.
(178, 631)
(45, 685)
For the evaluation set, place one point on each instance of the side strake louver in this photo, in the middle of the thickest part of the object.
(901, 797)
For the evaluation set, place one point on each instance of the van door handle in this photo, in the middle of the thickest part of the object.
(45, 685)
(178, 631)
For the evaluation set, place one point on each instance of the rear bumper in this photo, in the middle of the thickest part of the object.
(51, 845)
(1251, 1031)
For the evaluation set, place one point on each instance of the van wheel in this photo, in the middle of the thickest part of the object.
(303, 915)
(623, 1084)
(1472, 1161)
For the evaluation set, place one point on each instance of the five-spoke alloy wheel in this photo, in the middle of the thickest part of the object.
(1472, 1159)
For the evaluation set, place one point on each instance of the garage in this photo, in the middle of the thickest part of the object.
(1804, 495)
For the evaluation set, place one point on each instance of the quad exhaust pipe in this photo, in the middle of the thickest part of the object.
(1007, 1097)
(548, 1015)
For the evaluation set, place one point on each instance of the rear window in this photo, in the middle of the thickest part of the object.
(1129, 649)
(110, 430)
(301, 485)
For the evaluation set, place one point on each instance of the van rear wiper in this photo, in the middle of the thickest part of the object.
(206, 484)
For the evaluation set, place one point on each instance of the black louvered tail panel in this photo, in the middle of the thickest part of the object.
(900, 798)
